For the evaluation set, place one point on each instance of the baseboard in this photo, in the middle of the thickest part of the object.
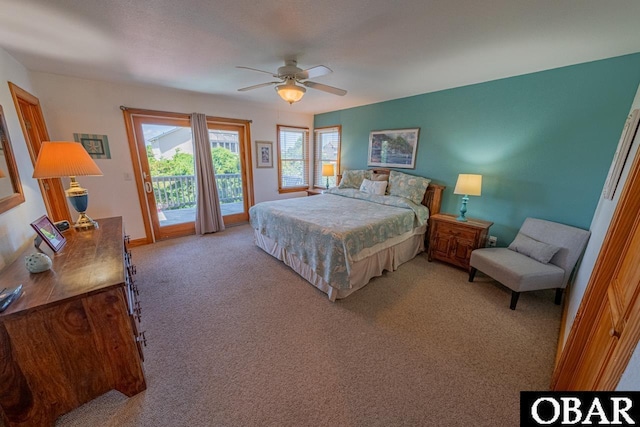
(138, 242)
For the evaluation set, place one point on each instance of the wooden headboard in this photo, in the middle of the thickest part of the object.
(432, 197)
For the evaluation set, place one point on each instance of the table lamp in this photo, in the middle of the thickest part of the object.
(468, 185)
(57, 159)
(328, 170)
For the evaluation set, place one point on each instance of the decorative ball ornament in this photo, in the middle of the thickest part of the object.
(38, 262)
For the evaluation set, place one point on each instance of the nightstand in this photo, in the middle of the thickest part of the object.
(315, 191)
(452, 241)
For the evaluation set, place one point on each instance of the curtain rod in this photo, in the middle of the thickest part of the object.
(171, 113)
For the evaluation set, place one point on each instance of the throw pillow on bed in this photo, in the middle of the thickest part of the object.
(540, 251)
(354, 178)
(408, 186)
(373, 187)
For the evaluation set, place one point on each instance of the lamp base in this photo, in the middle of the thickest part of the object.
(85, 222)
(463, 209)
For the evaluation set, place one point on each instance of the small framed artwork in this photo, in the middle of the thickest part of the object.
(620, 157)
(96, 145)
(393, 148)
(48, 233)
(264, 154)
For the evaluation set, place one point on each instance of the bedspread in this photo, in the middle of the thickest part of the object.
(328, 232)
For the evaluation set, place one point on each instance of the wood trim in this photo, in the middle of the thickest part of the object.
(625, 217)
(137, 242)
(53, 194)
(135, 161)
(249, 163)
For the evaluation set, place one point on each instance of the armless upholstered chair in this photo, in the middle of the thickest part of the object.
(542, 256)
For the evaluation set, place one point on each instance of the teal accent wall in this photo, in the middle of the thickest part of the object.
(543, 141)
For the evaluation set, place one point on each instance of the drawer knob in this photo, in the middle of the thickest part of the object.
(614, 333)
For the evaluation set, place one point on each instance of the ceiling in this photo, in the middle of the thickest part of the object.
(378, 49)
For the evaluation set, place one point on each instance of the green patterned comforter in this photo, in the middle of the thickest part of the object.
(327, 232)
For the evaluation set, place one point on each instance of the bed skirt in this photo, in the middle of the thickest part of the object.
(362, 270)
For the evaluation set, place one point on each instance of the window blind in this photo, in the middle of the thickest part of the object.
(293, 157)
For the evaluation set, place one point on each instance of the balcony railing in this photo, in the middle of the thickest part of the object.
(179, 192)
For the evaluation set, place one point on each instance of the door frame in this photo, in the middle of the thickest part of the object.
(245, 152)
(626, 216)
(53, 194)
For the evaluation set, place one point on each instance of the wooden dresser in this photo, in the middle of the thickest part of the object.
(453, 241)
(73, 334)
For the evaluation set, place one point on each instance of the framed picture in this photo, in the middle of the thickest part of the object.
(620, 157)
(49, 233)
(96, 145)
(393, 148)
(264, 154)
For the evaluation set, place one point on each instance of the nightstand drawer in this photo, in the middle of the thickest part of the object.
(443, 228)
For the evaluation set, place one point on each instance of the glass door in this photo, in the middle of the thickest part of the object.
(165, 147)
(167, 182)
(228, 155)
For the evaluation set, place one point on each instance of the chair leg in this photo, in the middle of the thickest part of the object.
(559, 293)
(514, 299)
(472, 273)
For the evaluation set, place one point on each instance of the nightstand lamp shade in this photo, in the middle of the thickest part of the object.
(328, 170)
(58, 159)
(467, 185)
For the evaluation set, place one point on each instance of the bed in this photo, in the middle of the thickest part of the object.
(340, 240)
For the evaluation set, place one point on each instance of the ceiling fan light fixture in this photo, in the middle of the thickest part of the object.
(290, 92)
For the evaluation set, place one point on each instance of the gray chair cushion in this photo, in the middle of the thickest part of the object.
(517, 271)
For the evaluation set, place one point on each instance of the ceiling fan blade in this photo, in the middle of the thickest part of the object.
(255, 69)
(313, 72)
(325, 88)
(244, 89)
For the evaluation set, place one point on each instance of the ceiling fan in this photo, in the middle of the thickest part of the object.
(289, 75)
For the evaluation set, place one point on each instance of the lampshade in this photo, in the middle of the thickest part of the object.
(290, 92)
(57, 159)
(328, 170)
(468, 184)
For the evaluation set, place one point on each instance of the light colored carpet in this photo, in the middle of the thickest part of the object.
(236, 338)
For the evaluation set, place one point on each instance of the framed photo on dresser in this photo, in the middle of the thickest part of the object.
(48, 233)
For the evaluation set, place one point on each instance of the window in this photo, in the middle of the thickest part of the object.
(326, 150)
(293, 160)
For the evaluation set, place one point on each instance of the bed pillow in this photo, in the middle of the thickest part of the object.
(540, 251)
(381, 177)
(354, 178)
(408, 186)
(373, 187)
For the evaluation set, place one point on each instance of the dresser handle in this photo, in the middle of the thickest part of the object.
(614, 333)
(142, 338)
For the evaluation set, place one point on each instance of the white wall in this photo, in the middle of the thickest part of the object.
(72, 105)
(15, 231)
(599, 226)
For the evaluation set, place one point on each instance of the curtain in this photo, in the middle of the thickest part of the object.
(208, 213)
